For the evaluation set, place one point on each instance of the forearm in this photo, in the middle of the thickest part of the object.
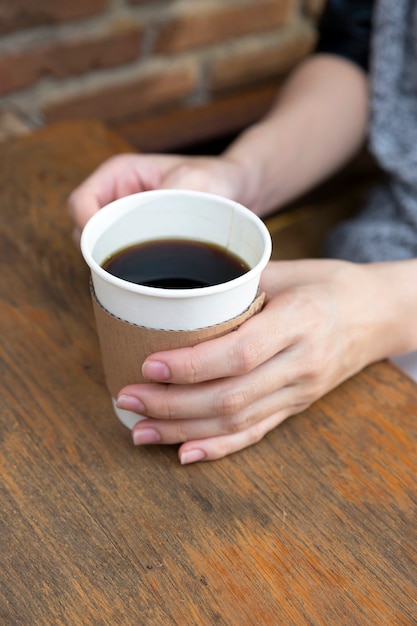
(317, 124)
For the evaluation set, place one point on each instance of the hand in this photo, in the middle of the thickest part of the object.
(317, 329)
(131, 173)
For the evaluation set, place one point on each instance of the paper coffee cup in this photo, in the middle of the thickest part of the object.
(164, 314)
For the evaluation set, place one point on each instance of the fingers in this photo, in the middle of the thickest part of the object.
(217, 418)
(218, 397)
(209, 439)
(119, 176)
(181, 430)
(227, 393)
(237, 353)
(81, 205)
(222, 412)
(223, 398)
(214, 448)
(125, 174)
(111, 180)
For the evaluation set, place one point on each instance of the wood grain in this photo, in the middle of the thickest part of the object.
(316, 524)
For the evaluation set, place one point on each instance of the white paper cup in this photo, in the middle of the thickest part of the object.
(182, 214)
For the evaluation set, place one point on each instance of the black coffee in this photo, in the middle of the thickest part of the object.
(175, 264)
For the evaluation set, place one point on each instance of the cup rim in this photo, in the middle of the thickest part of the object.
(159, 292)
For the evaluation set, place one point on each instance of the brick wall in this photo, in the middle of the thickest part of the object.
(161, 72)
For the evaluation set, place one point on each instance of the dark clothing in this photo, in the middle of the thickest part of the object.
(345, 30)
(387, 227)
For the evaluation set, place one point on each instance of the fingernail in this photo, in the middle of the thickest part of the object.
(130, 403)
(155, 370)
(143, 436)
(192, 456)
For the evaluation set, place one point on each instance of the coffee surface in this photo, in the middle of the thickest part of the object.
(175, 264)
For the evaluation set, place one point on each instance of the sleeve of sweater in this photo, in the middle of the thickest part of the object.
(344, 30)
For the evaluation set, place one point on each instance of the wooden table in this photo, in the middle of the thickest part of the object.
(317, 524)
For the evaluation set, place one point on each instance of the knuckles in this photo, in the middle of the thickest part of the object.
(230, 402)
(233, 406)
(247, 355)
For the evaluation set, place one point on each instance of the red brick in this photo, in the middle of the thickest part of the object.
(62, 59)
(195, 26)
(267, 59)
(135, 2)
(17, 71)
(183, 126)
(149, 93)
(19, 14)
(78, 57)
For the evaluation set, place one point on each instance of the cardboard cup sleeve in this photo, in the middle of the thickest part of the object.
(125, 346)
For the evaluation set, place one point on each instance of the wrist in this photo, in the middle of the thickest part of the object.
(244, 155)
(398, 303)
(385, 309)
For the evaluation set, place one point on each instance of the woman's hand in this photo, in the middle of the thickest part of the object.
(131, 173)
(319, 327)
(318, 123)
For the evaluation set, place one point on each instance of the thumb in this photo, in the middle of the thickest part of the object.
(194, 175)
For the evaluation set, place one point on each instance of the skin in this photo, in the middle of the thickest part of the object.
(324, 320)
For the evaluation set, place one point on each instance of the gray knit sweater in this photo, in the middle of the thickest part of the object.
(387, 227)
